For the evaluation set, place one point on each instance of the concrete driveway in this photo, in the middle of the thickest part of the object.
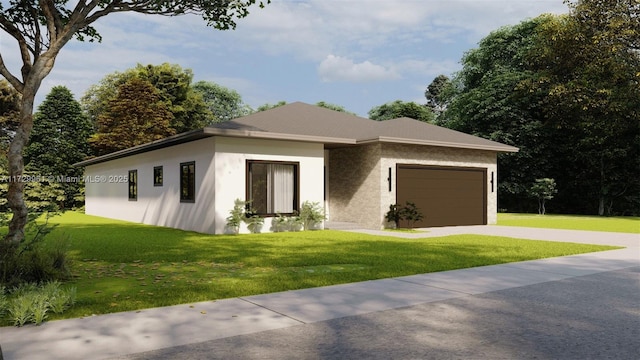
(582, 306)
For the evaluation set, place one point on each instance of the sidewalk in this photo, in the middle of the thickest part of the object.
(119, 334)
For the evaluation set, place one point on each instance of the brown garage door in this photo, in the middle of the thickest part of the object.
(446, 196)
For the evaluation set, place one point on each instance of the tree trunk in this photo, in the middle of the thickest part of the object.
(15, 195)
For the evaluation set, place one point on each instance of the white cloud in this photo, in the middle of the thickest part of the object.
(336, 68)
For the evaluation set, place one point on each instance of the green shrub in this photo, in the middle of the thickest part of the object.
(236, 215)
(4, 302)
(311, 213)
(31, 303)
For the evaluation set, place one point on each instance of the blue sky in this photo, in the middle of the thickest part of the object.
(354, 53)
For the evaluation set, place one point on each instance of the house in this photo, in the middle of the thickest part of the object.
(281, 157)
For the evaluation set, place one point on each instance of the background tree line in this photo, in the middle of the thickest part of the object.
(565, 90)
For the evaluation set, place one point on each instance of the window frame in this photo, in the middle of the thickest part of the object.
(158, 180)
(296, 185)
(191, 178)
(132, 183)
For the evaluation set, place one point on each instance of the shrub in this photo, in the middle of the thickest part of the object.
(236, 215)
(30, 303)
(311, 213)
(409, 212)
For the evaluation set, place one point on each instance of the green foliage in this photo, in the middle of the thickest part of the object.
(398, 109)
(286, 223)
(236, 215)
(394, 215)
(135, 116)
(411, 214)
(334, 107)
(224, 104)
(268, 106)
(31, 303)
(174, 91)
(59, 140)
(543, 189)
(566, 91)
(9, 111)
(254, 223)
(38, 258)
(439, 94)
(311, 213)
(408, 212)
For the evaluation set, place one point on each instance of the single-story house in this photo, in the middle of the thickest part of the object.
(279, 158)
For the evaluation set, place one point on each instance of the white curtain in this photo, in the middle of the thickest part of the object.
(282, 189)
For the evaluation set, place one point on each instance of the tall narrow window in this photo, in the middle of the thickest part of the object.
(157, 176)
(188, 182)
(133, 185)
(272, 187)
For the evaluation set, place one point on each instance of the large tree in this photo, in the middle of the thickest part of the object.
(135, 116)
(174, 88)
(59, 139)
(224, 104)
(565, 89)
(42, 28)
(588, 66)
(399, 108)
(439, 94)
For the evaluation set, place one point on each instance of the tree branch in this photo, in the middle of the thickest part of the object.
(14, 81)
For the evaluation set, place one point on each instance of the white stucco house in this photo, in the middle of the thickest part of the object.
(281, 157)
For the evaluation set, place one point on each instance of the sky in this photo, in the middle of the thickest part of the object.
(355, 53)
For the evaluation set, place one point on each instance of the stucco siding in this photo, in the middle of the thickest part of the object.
(355, 183)
(393, 154)
(107, 193)
(231, 155)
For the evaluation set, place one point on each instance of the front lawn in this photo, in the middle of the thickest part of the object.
(121, 266)
(573, 222)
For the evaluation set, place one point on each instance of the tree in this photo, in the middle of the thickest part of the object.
(399, 108)
(588, 67)
(224, 104)
(333, 107)
(43, 28)
(438, 94)
(543, 189)
(268, 106)
(135, 116)
(59, 139)
(174, 87)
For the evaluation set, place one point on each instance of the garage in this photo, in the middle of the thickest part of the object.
(446, 196)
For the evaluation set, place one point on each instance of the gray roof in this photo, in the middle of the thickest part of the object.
(309, 123)
(303, 119)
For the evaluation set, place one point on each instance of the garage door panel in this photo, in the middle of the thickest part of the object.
(446, 196)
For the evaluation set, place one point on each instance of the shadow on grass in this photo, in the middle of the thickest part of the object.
(123, 266)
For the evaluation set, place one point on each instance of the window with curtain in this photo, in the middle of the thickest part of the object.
(272, 187)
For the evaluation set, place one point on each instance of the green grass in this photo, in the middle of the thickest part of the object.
(120, 266)
(572, 222)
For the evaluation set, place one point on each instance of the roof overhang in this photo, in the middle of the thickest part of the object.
(211, 132)
(489, 147)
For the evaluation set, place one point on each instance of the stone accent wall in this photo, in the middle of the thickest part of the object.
(358, 185)
(393, 154)
(354, 185)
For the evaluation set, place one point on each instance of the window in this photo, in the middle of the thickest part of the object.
(272, 187)
(188, 182)
(133, 185)
(157, 176)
